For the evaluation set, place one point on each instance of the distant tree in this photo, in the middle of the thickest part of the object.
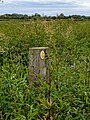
(25, 16)
(61, 16)
(54, 17)
(36, 16)
(76, 16)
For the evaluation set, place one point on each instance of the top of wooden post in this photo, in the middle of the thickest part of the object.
(39, 48)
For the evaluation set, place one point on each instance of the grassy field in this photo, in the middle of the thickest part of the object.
(69, 41)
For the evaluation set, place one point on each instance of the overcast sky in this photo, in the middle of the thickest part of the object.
(46, 7)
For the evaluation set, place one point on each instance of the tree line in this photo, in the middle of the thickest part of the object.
(38, 16)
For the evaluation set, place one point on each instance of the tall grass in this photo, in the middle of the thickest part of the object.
(69, 43)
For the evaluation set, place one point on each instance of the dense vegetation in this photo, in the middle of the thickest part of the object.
(44, 17)
(69, 43)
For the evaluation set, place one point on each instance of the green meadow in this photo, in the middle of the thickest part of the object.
(69, 42)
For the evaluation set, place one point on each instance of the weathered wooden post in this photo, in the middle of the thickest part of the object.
(38, 64)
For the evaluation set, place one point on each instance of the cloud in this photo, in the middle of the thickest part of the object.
(77, 1)
(47, 7)
(85, 5)
(82, 3)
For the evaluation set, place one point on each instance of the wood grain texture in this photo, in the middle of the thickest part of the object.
(38, 67)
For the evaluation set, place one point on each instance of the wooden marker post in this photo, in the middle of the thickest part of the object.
(38, 64)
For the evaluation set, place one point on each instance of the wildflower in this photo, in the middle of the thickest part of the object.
(68, 113)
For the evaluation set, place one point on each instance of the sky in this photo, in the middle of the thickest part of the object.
(46, 7)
